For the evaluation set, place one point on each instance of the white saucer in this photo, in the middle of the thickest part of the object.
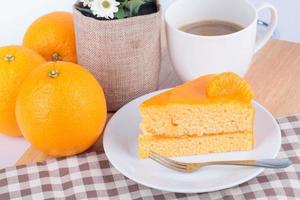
(120, 145)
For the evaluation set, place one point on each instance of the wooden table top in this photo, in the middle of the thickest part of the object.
(274, 77)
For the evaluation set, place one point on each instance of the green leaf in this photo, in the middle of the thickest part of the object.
(133, 6)
(120, 14)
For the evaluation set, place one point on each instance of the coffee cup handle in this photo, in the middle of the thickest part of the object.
(272, 25)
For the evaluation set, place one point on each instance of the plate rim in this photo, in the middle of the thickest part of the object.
(192, 190)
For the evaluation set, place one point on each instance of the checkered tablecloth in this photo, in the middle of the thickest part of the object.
(91, 176)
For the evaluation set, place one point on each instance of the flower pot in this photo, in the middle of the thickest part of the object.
(124, 55)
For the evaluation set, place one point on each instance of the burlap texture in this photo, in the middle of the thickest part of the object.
(124, 55)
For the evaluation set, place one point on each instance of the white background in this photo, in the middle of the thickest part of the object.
(17, 15)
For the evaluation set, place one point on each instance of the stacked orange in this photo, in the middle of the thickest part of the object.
(53, 37)
(15, 64)
(58, 106)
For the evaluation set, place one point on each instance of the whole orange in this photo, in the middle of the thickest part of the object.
(61, 109)
(15, 64)
(53, 36)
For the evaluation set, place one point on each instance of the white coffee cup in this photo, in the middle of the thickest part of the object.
(195, 55)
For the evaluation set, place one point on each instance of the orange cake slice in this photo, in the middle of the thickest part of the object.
(213, 113)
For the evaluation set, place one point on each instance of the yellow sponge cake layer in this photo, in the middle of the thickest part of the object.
(213, 113)
(193, 145)
(197, 119)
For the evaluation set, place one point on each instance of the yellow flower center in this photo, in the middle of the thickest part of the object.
(9, 58)
(106, 4)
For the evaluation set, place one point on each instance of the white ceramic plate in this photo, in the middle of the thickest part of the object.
(120, 145)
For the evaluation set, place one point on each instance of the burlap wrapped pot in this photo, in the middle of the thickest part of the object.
(124, 55)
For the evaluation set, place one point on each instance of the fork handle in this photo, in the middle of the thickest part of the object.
(266, 163)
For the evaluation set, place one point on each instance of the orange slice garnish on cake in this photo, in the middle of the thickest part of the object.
(229, 84)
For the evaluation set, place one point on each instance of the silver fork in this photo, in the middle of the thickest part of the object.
(190, 167)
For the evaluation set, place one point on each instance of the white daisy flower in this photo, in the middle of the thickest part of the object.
(87, 2)
(105, 8)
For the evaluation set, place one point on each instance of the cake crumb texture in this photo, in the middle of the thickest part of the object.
(194, 145)
(189, 119)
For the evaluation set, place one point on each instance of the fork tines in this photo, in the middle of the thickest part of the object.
(172, 164)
